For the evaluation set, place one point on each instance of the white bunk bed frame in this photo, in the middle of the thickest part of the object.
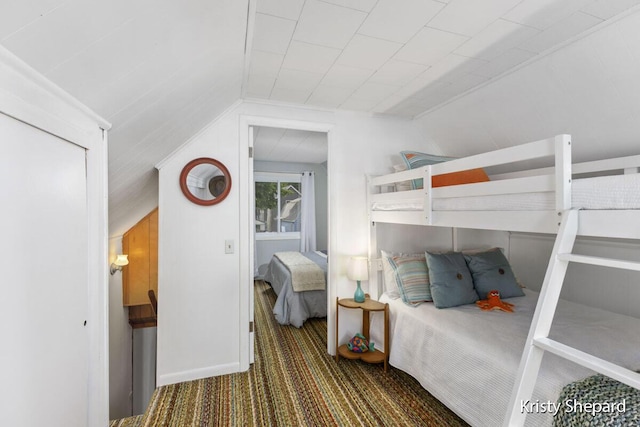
(565, 221)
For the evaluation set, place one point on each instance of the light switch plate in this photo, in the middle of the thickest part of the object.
(228, 246)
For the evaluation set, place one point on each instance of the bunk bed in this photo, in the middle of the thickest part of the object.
(293, 307)
(543, 200)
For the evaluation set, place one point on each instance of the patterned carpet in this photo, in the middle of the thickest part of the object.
(294, 382)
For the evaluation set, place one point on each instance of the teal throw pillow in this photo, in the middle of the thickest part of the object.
(450, 280)
(491, 270)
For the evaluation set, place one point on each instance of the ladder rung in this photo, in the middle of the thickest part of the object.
(605, 262)
(588, 361)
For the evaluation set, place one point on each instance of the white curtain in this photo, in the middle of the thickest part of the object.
(308, 213)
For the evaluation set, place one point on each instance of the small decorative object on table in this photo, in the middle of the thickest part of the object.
(358, 344)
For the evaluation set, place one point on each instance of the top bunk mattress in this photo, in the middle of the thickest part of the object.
(599, 193)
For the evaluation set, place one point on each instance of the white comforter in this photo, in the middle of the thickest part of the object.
(468, 358)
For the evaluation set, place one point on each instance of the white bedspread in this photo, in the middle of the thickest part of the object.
(605, 192)
(468, 358)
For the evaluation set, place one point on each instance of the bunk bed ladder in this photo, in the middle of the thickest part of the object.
(538, 339)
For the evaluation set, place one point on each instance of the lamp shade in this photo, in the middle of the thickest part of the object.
(358, 268)
(121, 260)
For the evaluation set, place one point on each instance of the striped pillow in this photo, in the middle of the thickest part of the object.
(415, 160)
(412, 278)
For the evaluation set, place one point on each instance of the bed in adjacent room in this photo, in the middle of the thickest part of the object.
(301, 295)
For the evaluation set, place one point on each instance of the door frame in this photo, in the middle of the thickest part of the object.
(247, 122)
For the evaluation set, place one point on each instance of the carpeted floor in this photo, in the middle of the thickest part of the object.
(294, 382)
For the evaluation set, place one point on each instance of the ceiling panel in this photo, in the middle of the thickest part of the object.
(363, 5)
(17, 14)
(542, 14)
(327, 24)
(407, 46)
(298, 80)
(260, 86)
(346, 77)
(355, 104)
(329, 96)
(504, 62)
(397, 73)
(374, 92)
(561, 31)
(499, 37)
(289, 9)
(272, 34)
(606, 9)
(310, 57)
(52, 39)
(265, 63)
(469, 17)
(367, 52)
(430, 46)
(295, 96)
(399, 20)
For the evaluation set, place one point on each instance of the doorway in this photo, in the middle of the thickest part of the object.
(277, 151)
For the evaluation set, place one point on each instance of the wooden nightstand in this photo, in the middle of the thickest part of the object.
(367, 307)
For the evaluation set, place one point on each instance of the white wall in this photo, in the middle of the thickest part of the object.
(120, 387)
(606, 288)
(200, 308)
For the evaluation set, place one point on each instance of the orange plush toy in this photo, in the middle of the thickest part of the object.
(493, 302)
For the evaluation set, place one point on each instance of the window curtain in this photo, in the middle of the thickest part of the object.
(308, 213)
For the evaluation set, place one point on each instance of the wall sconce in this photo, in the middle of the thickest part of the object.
(358, 269)
(121, 261)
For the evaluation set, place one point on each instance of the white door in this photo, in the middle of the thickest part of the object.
(43, 290)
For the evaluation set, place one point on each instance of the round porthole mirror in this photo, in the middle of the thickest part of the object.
(205, 181)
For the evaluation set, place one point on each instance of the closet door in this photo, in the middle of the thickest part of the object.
(43, 292)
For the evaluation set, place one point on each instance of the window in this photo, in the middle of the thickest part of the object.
(278, 197)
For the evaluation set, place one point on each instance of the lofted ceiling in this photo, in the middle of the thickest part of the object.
(160, 70)
(403, 57)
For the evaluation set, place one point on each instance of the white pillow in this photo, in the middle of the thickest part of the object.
(404, 185)
(390, 276)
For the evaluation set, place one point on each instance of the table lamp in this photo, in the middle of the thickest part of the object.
(358, 269)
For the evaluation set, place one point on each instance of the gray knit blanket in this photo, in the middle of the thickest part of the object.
(598, 401)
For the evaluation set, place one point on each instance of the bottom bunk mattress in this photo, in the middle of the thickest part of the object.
(468, 358)
(291, 307)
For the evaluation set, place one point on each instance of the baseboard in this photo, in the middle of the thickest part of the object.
(196, 374)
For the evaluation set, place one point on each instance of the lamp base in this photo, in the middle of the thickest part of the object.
(359, 295)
